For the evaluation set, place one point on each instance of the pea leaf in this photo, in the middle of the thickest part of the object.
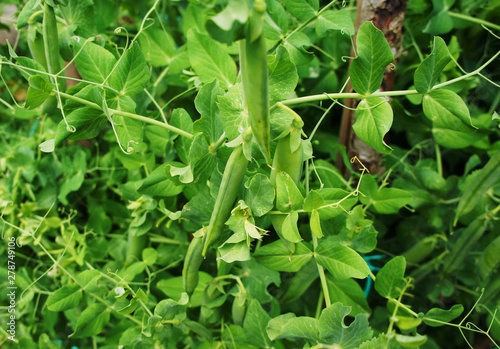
(88, 279)
(411, 341)
(210, 59)
(210, 123)
(174, 288)
(296, 46)
(131, 74)
(232, 111)
(447, 110)
(128, 130)
(260, 195)
(288, 196)
(315, 223)
(334, 20)
(277, 257)
(255, 323)
(335, 203)
(288, 326)
(374, 54)
(390, 200)
(390, 279)
(302, 9)
(373, 120)
(158, 46)
(442, 316)
(334, 331)
(227, 25)
(341, 261)
(428, 72)
(313, 201)
(91, 321)
(94, 63)
(283, 76)
(349, 293)
(38, 91)
(289, 227)
(158, 184)
(87, 121)
(67, 297)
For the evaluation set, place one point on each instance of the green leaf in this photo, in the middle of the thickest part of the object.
(91, 321)
(406, 323)
(440, 21)
(447, 111)
(38, 91)
(390, 200)
(87, 121)
(283, 76)
(428, 72)
(80, 14)
(232, 111)
(277, 257)
(230, 253)
(88, 279)
(210, 59)
(202, 159)
(481, 183)
(181, 119)
(334, 20)
(27, 10)
(341, 261)
(67, 297)
(335, 203)
(373, 120)
(334, 331)
(297, 45)
(302, 9)
(313, 201)
(289, 227)
(287, 326)
(94, 63)
(149, 256)
(411, 341)
(374, 54)
(227, 25)
(260, 195)
(174, 288)
(315, 223)
(129, 130)
(442, 315)
(158, 184)
(349, 293)
(288, 196)
(210, 123)
(158, 46)
(132, 73)
(390, 279)
(255, 323)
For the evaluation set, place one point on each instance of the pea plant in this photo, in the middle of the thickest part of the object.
(167, 171)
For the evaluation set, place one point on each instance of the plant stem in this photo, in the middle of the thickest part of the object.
(322, 276)
(474, 20)
(130, 115)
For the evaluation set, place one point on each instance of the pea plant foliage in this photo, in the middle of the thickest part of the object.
(168, 174)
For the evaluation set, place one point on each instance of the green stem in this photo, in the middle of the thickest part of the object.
(322, 276)
(130, 115)
(438, 160)
(325, 96)
(474, 20)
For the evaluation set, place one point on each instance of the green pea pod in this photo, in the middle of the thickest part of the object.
(421, 250)
(479, 186)
(465, 242)
(228, 192)
(255, 78)
(51, 42)
(489, 259)
(238, 309)
(192, 262)
(289, 161)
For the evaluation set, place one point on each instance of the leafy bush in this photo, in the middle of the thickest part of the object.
(168, 173)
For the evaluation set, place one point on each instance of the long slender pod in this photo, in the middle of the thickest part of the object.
(255, 78)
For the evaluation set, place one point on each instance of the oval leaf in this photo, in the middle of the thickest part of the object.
(67, 297)
(341, 261)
